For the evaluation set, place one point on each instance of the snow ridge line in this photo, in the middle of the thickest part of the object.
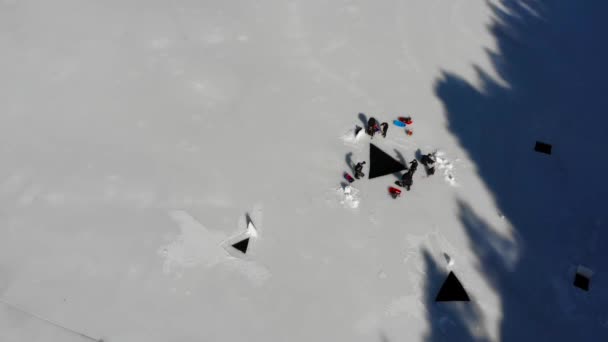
(14, 307)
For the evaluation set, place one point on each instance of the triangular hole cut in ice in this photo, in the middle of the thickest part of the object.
(381, 164)
(542, 147)
(242, 245)
(581, 282)
(452, 291)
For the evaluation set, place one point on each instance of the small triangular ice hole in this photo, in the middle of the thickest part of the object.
(242, 245)
(452, 291)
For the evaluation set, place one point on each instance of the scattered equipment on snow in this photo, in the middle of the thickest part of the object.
(399, 123)
(348, 177)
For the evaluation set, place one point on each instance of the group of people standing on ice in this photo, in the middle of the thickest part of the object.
(374, 127)
(428, 160)
(406, 181)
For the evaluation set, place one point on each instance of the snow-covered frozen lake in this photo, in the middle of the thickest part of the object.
(135, 137)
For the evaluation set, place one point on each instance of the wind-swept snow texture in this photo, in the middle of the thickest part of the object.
(135, 135)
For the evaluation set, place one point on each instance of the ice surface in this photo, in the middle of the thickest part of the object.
(195, 245)
(135, 137)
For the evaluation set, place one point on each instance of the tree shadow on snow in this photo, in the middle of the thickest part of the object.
(551, 61)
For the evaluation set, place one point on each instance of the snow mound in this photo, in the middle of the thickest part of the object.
(446, 166)
(350, 138)
(349, 196)
(251, 230)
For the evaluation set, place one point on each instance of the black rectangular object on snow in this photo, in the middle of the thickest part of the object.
(542, 147)
(581, 282)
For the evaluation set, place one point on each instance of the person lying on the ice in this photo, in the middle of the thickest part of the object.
(428, 160)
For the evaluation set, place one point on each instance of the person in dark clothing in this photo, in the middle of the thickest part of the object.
(359, 170)
(406, 180)
(372, 126)
(384, 129)
(428, 160)
(413, 166)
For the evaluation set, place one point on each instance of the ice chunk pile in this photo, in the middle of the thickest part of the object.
(444, 164)
(349, 196)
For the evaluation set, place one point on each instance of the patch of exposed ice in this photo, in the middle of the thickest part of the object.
(195, 245)
(349, 196)
(198, 246)
(444, 164)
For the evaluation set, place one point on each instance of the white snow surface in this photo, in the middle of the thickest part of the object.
(136, 135)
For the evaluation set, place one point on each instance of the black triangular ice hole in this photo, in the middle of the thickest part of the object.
(542, 147)
(381, 164)
(452, 291)
(242, 245)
